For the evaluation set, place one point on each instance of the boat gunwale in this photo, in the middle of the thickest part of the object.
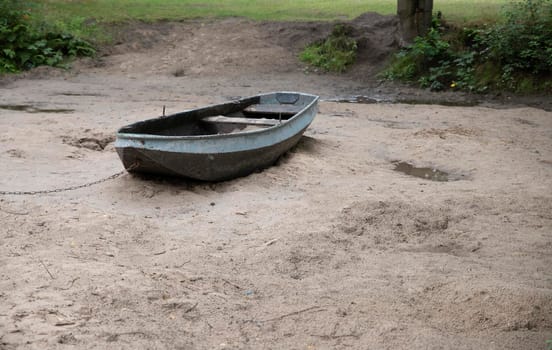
(134, 136)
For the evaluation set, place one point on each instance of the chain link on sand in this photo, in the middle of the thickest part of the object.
(70, 188)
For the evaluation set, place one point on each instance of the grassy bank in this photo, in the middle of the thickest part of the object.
(112, 11)
(90, 19)
(514, 54)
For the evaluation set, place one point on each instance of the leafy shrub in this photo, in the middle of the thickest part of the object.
(522, 43)
(520, 46)
(427, 51)
(24, 47)
(335, 53)
(432, 62)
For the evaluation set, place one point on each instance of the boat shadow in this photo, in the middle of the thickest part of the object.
(177, 182)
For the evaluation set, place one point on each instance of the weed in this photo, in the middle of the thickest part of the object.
(333, 54)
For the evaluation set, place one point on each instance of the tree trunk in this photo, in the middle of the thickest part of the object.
(415, 17)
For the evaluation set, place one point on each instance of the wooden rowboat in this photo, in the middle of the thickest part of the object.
(218, 142)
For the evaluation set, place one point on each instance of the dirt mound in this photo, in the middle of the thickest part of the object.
(387, 224)
(236, 45)
(294, 36)
(193, 48)
(377, 37)
(452, 306)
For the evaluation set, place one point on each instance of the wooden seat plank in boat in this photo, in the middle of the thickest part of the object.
(273, 109)
(237, 120)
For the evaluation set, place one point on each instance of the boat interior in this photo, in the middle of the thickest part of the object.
(244, 115)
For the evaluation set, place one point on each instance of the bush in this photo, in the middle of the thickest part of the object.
(335, 53)
(24, 47)
(520, 46)
(431, 62)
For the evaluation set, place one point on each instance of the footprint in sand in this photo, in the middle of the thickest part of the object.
(16, 153)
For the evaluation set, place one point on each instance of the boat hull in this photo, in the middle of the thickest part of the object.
(214, 157)
(205, 167)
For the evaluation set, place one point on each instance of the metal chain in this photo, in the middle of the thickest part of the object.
(70, 188)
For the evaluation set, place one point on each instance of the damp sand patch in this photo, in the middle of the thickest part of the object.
(33, 109)
(426, 173)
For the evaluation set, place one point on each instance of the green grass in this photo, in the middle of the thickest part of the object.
(114, 11)
(335, 53)
(87, 19)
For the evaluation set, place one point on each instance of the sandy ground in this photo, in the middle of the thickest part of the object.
(328, 249)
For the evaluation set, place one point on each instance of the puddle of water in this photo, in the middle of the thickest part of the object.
(394, 124)
(526, 122)
(363, 99)
(431, 174)
(80, 94)
(447, 103)
(14, 107)
(53, 110)
(32, 109)
(356, 99)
